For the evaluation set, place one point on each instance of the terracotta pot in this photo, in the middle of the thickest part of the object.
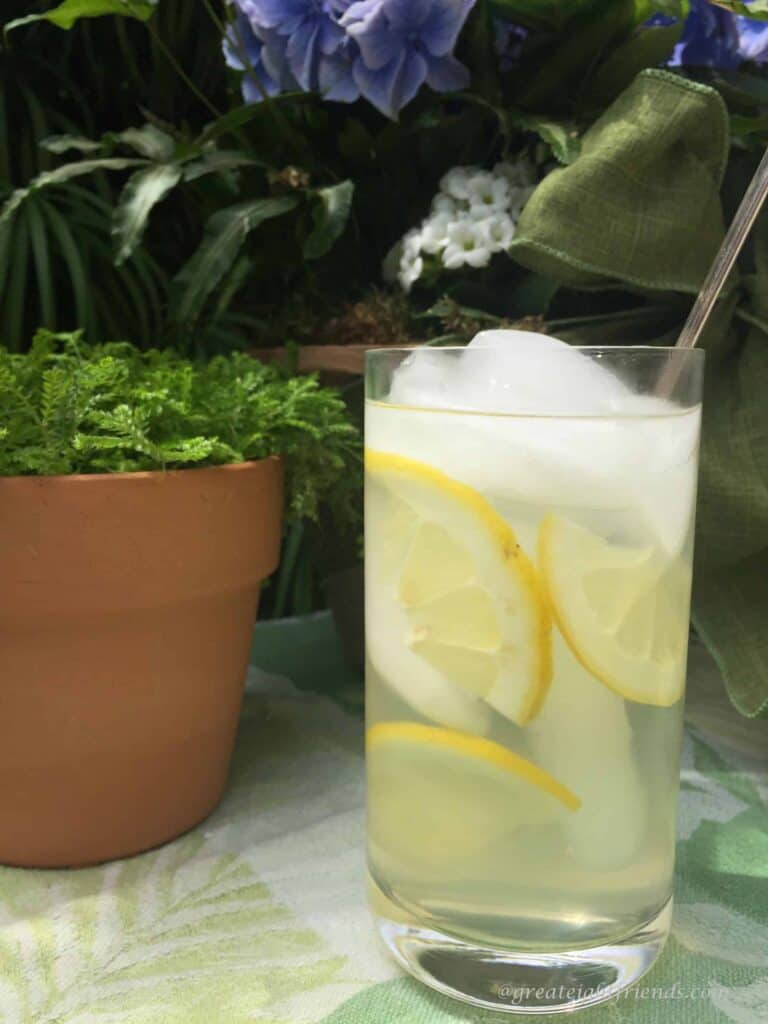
(127, 603)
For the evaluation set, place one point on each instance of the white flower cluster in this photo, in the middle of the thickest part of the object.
(473, 216)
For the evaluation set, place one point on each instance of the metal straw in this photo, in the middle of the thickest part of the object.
(742, 224)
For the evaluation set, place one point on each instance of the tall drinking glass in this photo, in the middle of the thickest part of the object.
(529, 541)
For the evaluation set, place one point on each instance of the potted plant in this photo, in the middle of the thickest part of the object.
(140, 510)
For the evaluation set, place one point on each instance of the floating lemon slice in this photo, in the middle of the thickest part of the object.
(436, 796)
(622, 610)
(455, 612)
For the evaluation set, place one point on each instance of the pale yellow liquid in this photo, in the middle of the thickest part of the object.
(565, 881)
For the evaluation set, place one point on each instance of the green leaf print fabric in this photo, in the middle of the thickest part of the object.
(259, 914)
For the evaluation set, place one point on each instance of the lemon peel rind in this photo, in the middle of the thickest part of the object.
(387, 464)
(475, 747)
(545, 560)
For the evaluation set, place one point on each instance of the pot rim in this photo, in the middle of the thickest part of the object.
(144, 474)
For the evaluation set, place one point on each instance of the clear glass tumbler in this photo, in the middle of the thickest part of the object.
(529, 542)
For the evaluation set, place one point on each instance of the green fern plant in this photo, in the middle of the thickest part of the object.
(71, 407)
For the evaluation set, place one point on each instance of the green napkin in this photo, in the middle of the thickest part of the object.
(640, 208)
(641, 204)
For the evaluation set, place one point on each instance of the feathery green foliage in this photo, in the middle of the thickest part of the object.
(70, 407)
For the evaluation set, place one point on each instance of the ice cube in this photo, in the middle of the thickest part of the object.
(534, 421)
(512, 372)
(583, 737)
(427, 378)
(523, 373)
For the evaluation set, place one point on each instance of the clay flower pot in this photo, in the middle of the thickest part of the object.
(127, 603)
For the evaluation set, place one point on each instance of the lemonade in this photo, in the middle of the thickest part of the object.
(527, 607)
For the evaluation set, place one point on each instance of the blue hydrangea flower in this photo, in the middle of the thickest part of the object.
(403, 44)
(383, 49)
(753, 39)
(307, 43)
(710, 38)
(262, 58)
(713, 37)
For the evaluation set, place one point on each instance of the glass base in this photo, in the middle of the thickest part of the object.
(526, 982)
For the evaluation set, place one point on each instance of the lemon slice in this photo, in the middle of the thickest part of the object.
(455, 611)
(622, 610)
(436, 796)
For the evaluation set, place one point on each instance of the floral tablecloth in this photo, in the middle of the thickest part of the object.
(259, 914)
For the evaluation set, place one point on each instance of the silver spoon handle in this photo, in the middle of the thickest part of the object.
(742, 224)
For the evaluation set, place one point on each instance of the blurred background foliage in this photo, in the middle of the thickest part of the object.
(142, 199)
(185, 255)
(56, 257)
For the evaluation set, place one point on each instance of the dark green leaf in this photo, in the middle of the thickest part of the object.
(532, 295)
(231, 285)
(569, 61)
(747, 127)
(218, 161)
(355, 142)
(61, 175)
(303, 591)
(539, 15)
(143, 191)
(330, 213)
(225, 234)
(73, 261)
(6, 251)
(740, 89)
(482, 55)
(507, 117)
(43, 266)
(288, 561)
(562, 138)
(148, 141)
(63, 143)
(233, 120)
(15, 293)
(646, 48)
(70, 12)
